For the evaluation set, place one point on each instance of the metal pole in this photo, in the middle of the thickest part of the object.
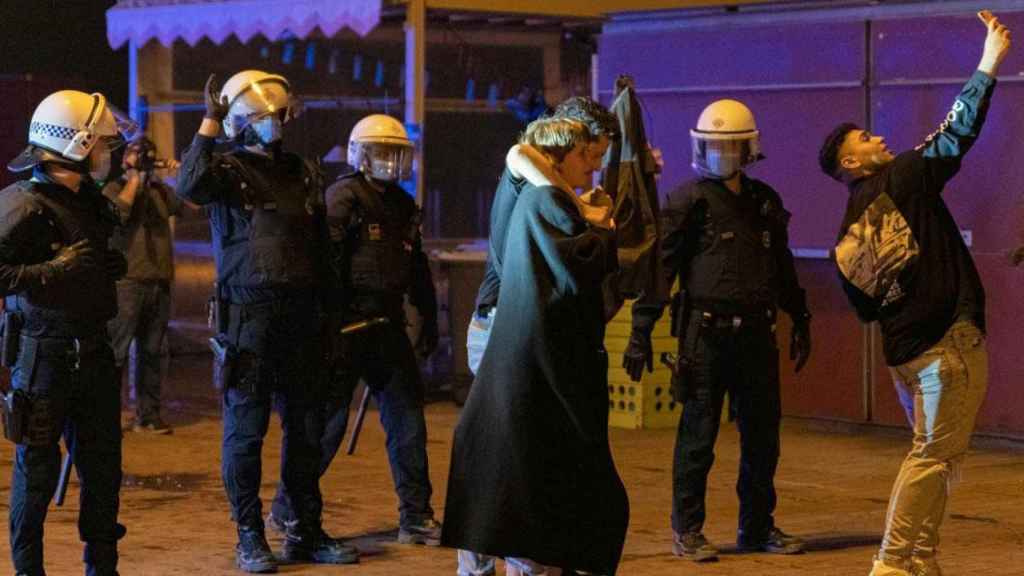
(133, 81)
(868, 340)
(415, 80)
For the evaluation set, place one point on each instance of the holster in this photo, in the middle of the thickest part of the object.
(226, 360)
(217, 311)
(15, 412)
(10, 338)
(677, 311)
(680, 383)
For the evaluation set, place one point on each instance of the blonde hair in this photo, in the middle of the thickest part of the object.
(555, 136)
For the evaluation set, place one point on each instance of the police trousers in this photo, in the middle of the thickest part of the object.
(279, 357)
(75, 393)
(737, 355)
(384, 359)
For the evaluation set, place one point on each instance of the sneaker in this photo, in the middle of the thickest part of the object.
(155, 426)
(252, 554)
(427, 532)
(693, 546)
(925, 566)
(277, 524)
(318, 548)
(886, 568)
(777, 542)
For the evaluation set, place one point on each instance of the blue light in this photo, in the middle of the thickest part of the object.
(357, 67)
(311, 56)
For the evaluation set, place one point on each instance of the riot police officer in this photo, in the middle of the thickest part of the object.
(378, 258)
(266, 211)
(57, 276)
(725, 236)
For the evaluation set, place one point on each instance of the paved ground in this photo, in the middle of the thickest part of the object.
(833, 485)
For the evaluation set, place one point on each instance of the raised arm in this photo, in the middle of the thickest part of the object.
(199, 180)
(945, 147)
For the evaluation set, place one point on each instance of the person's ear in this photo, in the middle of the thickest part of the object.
(849, 163)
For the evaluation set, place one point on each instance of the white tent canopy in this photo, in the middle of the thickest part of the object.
(192, 20)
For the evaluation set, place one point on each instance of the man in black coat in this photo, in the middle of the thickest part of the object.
(531, 471)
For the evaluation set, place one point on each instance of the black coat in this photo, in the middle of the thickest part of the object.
(531, 471)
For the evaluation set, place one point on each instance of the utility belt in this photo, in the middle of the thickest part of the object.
(227, 319)
(692, 319)
(36, 420)
(372, 304)
(14, 343)
(734, 322)
(734, 315)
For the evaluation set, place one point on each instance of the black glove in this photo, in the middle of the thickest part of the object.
(800, 342)
(70, 260)
(426, 343)
(115, 264)
(639, 352)
(216, 104)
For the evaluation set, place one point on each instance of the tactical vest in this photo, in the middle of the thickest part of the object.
(734, 265)
(268, 236)
(387, 224)
(62, 309)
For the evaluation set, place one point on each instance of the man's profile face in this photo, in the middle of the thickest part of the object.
(582, 161)
(594, 153)
(864, 153)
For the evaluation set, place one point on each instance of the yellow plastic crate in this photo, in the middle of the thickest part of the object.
(644, 404)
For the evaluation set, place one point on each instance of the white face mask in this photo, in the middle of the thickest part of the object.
(267, 129)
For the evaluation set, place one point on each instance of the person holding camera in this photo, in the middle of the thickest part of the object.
(145, 206)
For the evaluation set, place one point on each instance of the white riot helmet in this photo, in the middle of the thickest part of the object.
(261, 100)
(380, 148)
(725, 140)
(70, 127)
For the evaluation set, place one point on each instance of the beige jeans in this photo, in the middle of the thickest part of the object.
(941, 391)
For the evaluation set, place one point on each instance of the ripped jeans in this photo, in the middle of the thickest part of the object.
(941, 391)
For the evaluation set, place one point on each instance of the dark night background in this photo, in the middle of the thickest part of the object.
(63, 40)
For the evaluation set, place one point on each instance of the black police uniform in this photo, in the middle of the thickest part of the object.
(64, 366)
(376, 246)
(266, 220)
(732, 256)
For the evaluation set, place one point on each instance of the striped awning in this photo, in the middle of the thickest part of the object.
(193, 20)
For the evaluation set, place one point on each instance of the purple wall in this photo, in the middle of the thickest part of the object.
(801, 77)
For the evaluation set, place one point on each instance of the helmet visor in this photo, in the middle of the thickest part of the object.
(262, 99)
(125, 128)
(723, 157)
(385, 162)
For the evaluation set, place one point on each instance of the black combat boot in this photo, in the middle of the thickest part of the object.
(252, 554)
(314, 545)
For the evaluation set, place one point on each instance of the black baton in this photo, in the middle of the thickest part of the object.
(65, 477)
(357, 426)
